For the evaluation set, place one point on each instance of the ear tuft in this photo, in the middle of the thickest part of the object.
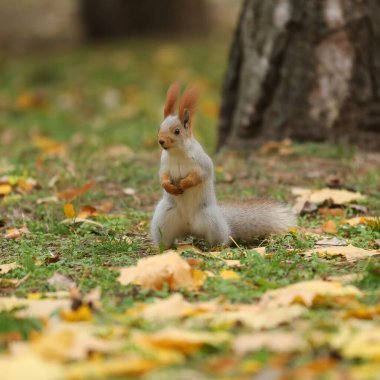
(188, 103)
(171, 99)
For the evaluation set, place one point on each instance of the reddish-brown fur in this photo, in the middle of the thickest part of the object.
(171, 99)
(188, 102)
(192, 179)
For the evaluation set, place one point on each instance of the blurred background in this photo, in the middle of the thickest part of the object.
(74, 67)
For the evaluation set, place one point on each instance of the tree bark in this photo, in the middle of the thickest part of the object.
(305, 70)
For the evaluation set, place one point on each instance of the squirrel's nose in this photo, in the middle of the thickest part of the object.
(161, 142)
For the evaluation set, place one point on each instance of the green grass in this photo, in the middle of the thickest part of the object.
(101, 98)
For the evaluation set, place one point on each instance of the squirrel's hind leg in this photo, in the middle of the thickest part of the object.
(211, 225)
(165, 226)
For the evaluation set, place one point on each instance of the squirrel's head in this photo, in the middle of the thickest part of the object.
(176, 128)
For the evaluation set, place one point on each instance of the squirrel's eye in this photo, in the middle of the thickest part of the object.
(176, 131)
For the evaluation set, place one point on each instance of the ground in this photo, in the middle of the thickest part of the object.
(78, 184)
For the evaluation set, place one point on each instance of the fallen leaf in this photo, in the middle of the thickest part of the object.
(260, 250)
(329, 227)
(153, 272)
(129, 191)
(61, 282)
(70, 342)
(349, 252)
(360, 341)
(5, 268)
(233, 263)
(187, 247)
(181, 340)
(345, 278)
(112, 368)
(70, 194)
(51, 199)
(48, 146)
(5, 189)
(370, 220)
(306, 293)
(257, 317)
(27, 100)
(81, 314)
(40, 308)
(229, 275)
(27, 185)
(15, 233)
(81, 220)
(282, 342)
(69, 210)
(334, 241)
(30, 366)
(338, 197)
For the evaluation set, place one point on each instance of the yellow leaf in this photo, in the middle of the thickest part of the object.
(48, 146)
(181, 340)
(370, 220)
(153, 272)
(69, 210)
(257, 317)
(83, 313)
(229, 274)
(307, 292)
(119, 367)
(29, 366)
(283, 342)
(349, 252)
(5, 189)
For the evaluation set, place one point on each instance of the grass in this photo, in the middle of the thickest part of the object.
(103, 105)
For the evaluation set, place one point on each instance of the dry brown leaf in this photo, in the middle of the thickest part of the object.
(174, 307)
(15, 233)
(256, 317)
(334, 241)
(70, 194)
(282, 342)
(339, 197)
(61, 282)
(306, 293)
(181, 340)
(153, 272)
(349, 252)
(329, 227)
(283, 148)
(5, 268)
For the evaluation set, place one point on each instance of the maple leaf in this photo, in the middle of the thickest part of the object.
(153, 272)
(70, 194)
(275, 341)
(307, 292)
(349, 252)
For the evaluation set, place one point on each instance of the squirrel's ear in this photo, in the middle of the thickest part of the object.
(171, 99)
(187, 104)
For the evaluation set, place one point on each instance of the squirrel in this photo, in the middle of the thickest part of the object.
(189, 206)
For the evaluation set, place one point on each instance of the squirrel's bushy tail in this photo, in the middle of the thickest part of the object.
(249, 220)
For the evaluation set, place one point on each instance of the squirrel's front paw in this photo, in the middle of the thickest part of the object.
(173, 189)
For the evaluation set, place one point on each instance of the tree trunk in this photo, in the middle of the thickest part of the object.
(120, 18)
(307, 70)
